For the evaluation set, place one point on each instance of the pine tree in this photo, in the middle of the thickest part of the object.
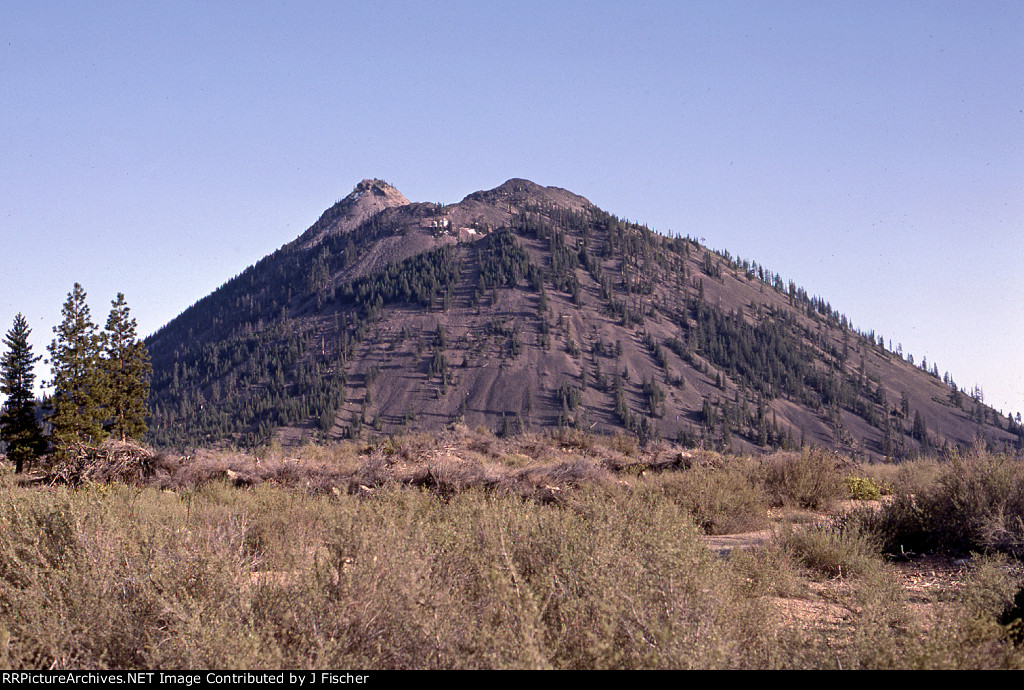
(19, 428)
(78, 383)
(920, 430)
(126, 370)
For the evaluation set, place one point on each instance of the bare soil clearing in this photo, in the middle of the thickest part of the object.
(826, 606)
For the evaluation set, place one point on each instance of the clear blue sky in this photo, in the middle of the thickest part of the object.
(871, 151)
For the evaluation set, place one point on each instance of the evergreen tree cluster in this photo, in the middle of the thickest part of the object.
(100, 383)
(100, 379)
(422, 279)
(503, 263)
(245, 387)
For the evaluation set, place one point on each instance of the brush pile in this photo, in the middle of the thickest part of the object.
(121, 461)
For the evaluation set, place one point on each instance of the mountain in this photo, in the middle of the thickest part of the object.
(527, 307)
(369, 198)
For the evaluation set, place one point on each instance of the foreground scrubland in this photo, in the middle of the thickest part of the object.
(462, 550)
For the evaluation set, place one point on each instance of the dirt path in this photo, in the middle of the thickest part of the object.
(724, 543)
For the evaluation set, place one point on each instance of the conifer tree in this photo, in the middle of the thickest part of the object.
(78, 382)
(19, 428)
(126, 370)
(920, 430)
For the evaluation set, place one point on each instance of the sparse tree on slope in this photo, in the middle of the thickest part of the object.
(920, 430)
(127, 370)
(78, 381)
(19, 428)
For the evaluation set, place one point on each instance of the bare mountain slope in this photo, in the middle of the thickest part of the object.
(529, 307)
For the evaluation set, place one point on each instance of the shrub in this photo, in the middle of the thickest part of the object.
(771, 570)
(969, 631)
(721, 501)
(222, 577)
(979, 504)
(466, 572)
(838, 549)
(624, 444)
(975, 503)
(809, 479)
(863, 489)
(1013, 618)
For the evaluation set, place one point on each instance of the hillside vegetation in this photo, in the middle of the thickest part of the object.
(464, 550)
(527, 308)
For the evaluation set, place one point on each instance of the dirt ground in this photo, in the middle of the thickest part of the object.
(825, 607)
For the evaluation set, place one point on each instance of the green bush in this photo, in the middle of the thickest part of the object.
(863, 489)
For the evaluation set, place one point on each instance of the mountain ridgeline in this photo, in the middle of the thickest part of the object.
(528, 308)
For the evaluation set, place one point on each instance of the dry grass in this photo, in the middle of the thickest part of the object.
(462, 550)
